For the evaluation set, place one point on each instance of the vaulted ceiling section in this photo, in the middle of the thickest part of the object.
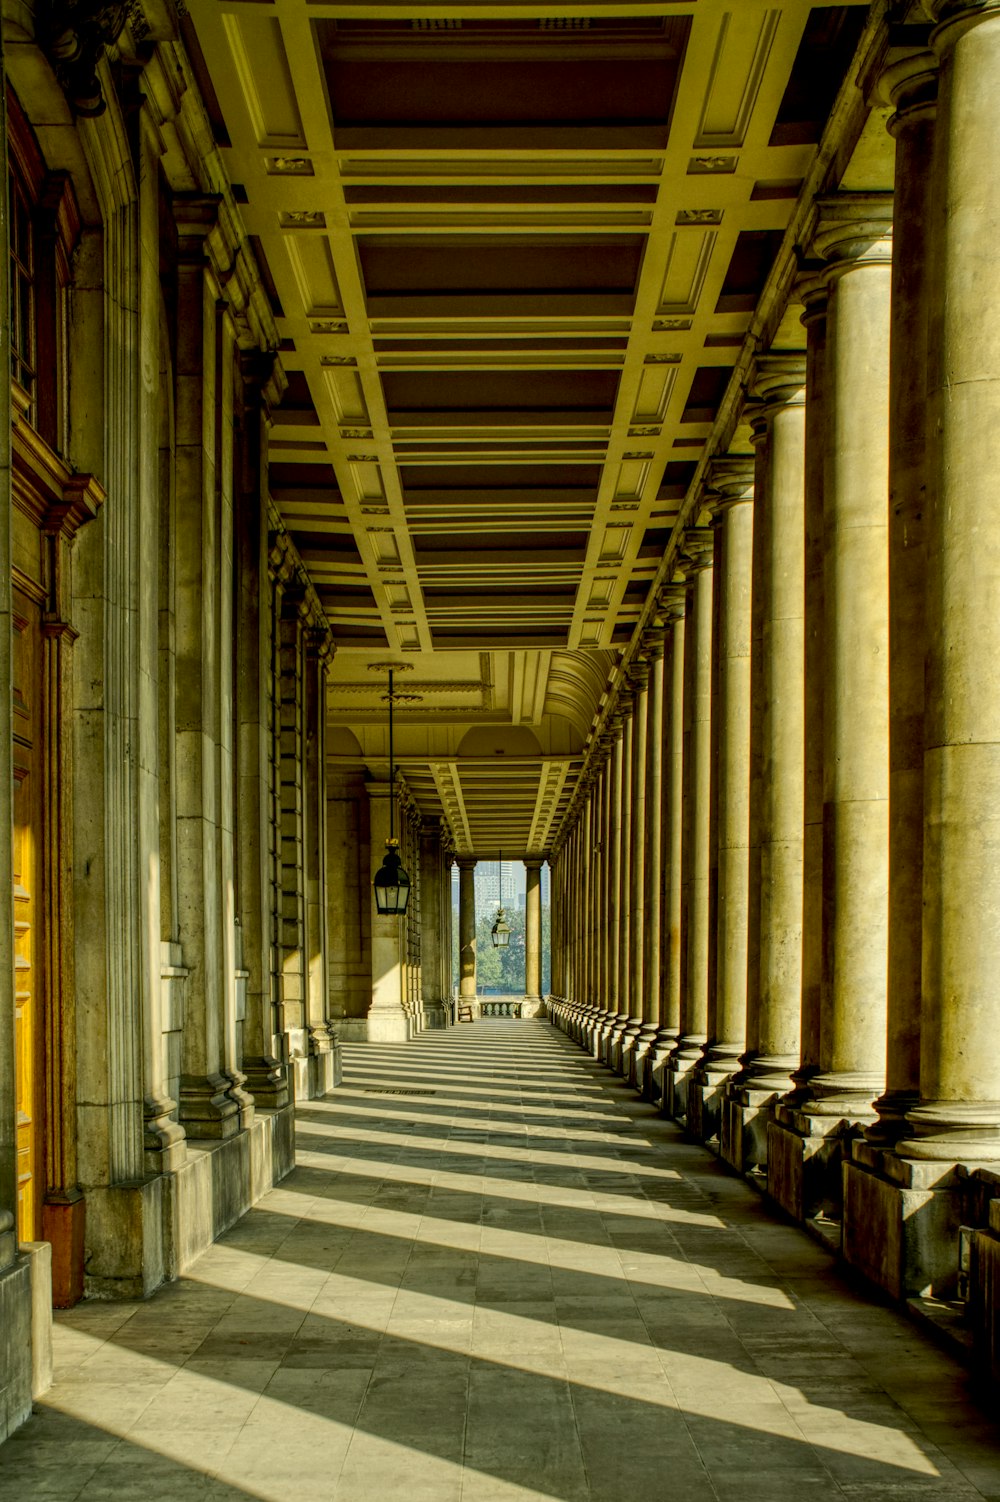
(514, 252)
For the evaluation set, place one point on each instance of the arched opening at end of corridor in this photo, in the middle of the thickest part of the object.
(502, 972)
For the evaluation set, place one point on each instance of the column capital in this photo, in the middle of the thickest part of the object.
(954, 17)
(852, 230)
(812, 292)
(534, 862)
(776, 380)
(672, 602)
(908, 81)
(729, 481)
(698, 549)
(653, 640)
(638, 674)
(466, 862)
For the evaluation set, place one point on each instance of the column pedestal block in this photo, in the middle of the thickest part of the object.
(629, 1044)
(901, 1220)
(704, 1105)
(388, 1027)
(805, 1154)
(613, 1043)
(678, 1077)
(15, 1344)
(745, 1115)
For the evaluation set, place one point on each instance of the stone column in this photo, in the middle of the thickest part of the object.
(612, 879)
(814, 295)
(698, 552)
(777, 738)
(912, 87)
(614, 1044)
(672, 603)
(466, 930)
(533, 936)
(904, 1252)
(637, 1003)
(958, 1118)
(806, 1146)
(266, 1076)
(652, 921)
(731, 481)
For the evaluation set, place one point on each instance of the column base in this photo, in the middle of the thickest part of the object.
(745, 1115)
(663, 1046)
(267, 1081)
(531, 1006)
(678, 1075)
(388, 1027)
(805, 1154)
(718, 1064)
(602, 1032)
(901, 1220)
(612, 1053)
(629, 1044)
(437, 1015)
(206, 1109)
(642, 1059)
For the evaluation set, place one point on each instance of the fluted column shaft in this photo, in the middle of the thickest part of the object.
(732, 481)
(653, 911)
(959, 1112)
(778, 699)
(856, 642)
(912, 85)
(625, 853)
(674, 823)
(814, 295)
(637, 864)
(695, 851)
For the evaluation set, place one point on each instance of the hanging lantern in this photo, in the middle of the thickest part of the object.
(500, 932)
(391, 883)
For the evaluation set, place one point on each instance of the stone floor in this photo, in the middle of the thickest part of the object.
(504, 1278)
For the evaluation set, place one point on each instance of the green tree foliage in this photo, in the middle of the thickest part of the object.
(501, 971)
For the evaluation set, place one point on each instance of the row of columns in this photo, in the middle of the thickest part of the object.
(791, 813)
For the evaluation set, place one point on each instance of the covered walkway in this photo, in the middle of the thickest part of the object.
(503, 1278)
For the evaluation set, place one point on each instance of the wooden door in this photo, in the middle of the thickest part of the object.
(28, 909)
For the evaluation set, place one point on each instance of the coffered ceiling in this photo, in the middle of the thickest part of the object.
(513, 252)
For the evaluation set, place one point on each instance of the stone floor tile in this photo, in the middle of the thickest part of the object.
(520, 1285)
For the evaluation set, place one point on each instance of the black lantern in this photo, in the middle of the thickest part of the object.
(500, 932)
(391, 882)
